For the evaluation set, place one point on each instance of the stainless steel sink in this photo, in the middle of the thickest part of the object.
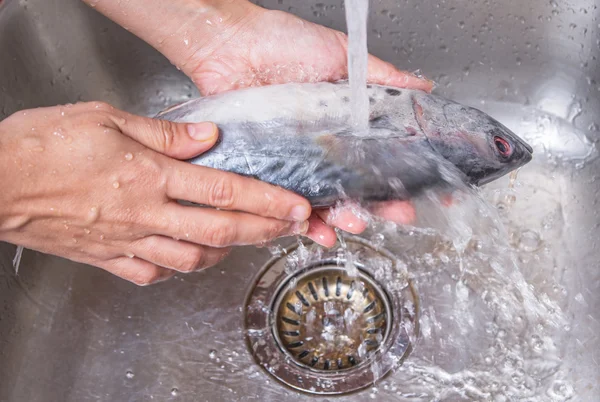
(487, 324)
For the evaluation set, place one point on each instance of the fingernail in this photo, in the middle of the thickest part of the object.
(204, 131)
(300, 228)
(299, 213)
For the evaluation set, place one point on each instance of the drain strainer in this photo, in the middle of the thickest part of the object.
(329, 321)
(324, 328)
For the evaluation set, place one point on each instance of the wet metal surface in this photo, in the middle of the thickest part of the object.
(69, 332)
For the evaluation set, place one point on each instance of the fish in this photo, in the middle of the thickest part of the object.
(301, 137)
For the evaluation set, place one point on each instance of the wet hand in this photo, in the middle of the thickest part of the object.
(265, 47)
(100, 186)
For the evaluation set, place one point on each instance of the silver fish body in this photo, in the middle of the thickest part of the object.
(300, 137)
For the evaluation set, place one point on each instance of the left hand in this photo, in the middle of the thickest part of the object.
(226, 45)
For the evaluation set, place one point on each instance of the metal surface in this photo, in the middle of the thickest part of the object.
(323, 329)
(74, 333)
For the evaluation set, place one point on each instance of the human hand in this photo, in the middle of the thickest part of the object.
(97, 185)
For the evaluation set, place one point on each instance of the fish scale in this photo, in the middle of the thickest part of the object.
(299, 137)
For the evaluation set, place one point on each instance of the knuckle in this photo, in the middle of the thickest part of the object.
(169, 133)
(270, 206)
(221, 192)
(190, 261)
(222, 235)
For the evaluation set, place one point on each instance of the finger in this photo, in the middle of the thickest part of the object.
(136, 270)
(229, 191)
(348, 217)
(210, 227)
(177, 140)
(320, 233)
(401, 212)
(383, 73)
(178, 255)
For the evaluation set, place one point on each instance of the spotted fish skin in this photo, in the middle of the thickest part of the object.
(299, 137)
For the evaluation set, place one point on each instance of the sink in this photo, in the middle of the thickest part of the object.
(502, 316)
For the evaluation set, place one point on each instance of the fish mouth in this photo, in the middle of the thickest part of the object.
(517, 139)
(527, 146)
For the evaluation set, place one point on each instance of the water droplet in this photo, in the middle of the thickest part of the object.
(38, 149)
(101, 237)
(128, 156)
(59, 133)
(174, 392)
(129, 254)
(129, 374)
(116, 184)
(93, 214)
(530, 241)
(74, 240)
(87, 231)
(212, 354)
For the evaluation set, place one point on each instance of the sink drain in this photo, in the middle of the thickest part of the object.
(326, 329)
(329, 321)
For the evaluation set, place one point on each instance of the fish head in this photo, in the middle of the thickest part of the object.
(477, 144)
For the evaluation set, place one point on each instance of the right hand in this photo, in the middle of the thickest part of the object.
(100, 186)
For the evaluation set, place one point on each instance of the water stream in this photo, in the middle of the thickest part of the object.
(356, 20)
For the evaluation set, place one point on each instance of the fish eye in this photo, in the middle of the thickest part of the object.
(503, 146)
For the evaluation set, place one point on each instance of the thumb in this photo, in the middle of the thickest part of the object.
(177, 140)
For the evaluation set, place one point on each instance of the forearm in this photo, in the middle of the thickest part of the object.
(179, 29)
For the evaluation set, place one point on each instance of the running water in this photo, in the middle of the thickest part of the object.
(356, 20)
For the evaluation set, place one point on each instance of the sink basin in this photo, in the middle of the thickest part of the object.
(510, 313)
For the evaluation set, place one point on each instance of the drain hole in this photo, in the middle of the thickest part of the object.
(325, 287)
(313, 291)
(292, 308)
(370, 307)
(290, 321)
(302, 299)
